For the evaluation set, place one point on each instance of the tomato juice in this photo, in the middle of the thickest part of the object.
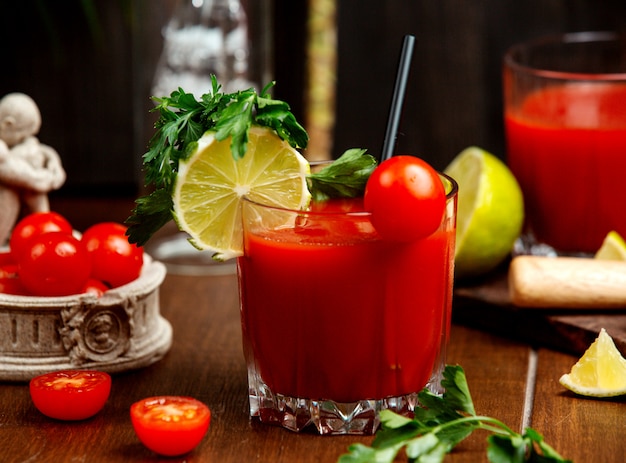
(331, 311)
(565, 124)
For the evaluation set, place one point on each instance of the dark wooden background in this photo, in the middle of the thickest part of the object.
(89, 65)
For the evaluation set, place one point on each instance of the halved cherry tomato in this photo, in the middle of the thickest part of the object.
(406, 198)
(170, 425)
(115, 261)
(54, 264)
(70, 394)
(35, 224)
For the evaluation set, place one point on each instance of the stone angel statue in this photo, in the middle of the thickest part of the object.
(29, 170)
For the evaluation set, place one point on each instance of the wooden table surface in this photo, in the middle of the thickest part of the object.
(509, 380)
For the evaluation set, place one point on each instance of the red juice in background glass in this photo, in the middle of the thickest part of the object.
(332, 314)
(565, 124)
(566, 147)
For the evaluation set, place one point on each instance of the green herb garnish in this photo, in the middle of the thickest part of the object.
(441, 424)
(182, 121)
(344, 178)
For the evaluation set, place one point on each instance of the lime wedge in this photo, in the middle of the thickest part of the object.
(600, 372)
(613, 247)
(211, 184)
(490, 211)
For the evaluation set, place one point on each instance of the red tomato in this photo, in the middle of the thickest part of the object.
(14, 286)
(70, 394)
(95, 287)
(406, 198)
(33, 225)
(9, 281)
(8, 270)
(54, 264)
(115, 261)
(170, 425)
(6, 258)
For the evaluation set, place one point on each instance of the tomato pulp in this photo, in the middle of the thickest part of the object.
(331, 311)
(567, 148)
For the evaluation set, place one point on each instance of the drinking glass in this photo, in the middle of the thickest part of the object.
(339, 324)
(230, 39)
(565, 122)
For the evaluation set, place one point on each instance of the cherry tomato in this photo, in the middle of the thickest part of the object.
(33, 225)
(14, 286)
(406, 198)
(95, 287)
(70, 394)
(54, 264)
(9, 280)
(170, 425)
(6, 258)
(8, 271)
(115, 261)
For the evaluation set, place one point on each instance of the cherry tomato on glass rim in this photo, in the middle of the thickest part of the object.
(170, 425)
(114, 260)
(54, 264)
(35, 224)
(70, 394)
(406, 198)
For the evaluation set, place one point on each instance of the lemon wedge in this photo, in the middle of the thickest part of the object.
(490, 211)
(600, 372)
(613, 247)
(211, 183)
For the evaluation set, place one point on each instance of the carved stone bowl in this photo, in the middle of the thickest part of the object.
(121, 330)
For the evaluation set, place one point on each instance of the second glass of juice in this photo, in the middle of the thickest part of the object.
(565, 121)
(339, 324)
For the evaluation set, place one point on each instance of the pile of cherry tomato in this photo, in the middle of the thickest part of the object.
(46, 258)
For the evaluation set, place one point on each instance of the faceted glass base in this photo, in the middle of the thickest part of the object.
(327, 417)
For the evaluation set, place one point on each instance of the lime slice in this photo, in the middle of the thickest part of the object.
(210, 186)
(613, 247)
(600, 372)
(490, 211)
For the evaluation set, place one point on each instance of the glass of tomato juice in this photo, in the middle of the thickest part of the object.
(338, 323)
(565, 124)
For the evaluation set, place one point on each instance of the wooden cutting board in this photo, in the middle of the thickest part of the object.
(486, 305)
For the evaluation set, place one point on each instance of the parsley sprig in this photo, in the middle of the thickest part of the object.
(444, 421)
(182, 121)
(344, 178)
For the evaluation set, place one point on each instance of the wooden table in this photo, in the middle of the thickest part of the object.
(509, 380)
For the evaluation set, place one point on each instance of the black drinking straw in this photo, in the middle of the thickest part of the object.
(397, 100)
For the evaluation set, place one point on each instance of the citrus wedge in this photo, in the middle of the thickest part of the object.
(210, 186)
(600, 372)
(490, 211)
(613, 247)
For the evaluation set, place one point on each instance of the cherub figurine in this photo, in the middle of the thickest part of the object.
(29, 170)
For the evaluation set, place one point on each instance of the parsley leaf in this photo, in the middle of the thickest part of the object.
(443, 422)
(344, 178)
(182, 121)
